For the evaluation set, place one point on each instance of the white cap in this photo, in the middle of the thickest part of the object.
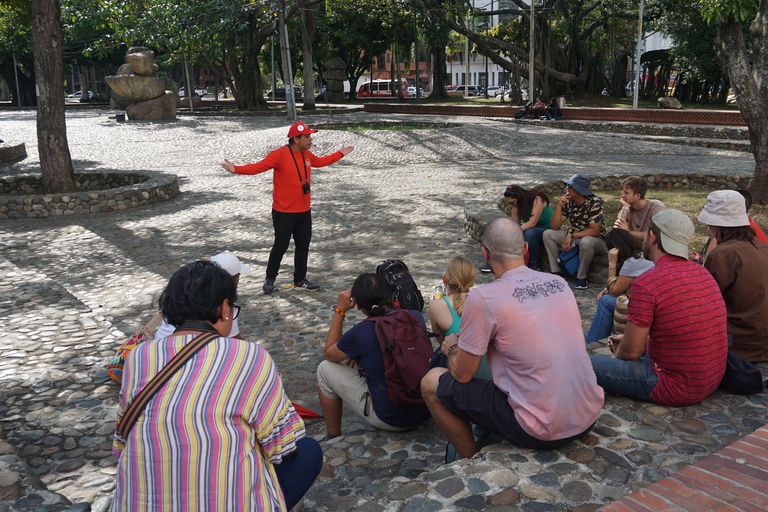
(230, 263)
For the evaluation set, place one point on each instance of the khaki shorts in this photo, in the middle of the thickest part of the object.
(337, 380)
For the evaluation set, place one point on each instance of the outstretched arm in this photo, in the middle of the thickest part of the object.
(228, 166)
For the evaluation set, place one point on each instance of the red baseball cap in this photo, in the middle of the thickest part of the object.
(299, 129)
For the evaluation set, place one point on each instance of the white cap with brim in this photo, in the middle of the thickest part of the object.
(230, 263)
(724, 208)
(676, 231)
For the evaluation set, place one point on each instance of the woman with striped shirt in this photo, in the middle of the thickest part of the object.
(221, 434)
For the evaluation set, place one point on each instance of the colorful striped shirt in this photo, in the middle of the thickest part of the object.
(687, 343)
(208, 440)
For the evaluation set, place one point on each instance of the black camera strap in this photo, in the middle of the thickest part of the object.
(304, 162)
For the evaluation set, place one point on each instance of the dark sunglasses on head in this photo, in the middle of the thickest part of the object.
(510, 193)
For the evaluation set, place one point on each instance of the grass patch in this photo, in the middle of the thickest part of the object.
(690, 201)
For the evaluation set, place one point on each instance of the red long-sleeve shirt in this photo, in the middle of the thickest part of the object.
(287, 193)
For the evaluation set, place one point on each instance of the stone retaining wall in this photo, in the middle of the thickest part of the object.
(20, 196)
(477, 214)
(13, 152)
(641, 115)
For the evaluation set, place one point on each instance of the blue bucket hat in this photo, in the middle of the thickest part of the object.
(580, 184)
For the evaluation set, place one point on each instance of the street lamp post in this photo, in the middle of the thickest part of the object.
(530, 58)
(637, 57)
(416, 53)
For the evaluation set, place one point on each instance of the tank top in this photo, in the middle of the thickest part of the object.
(484, 371)
(544, 219)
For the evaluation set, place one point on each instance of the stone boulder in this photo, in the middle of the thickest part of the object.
(156, 109)
(125, 69)
(118, 102)
(197, 102)
(172, 86)
(141, 60)
(670, 102)
(136, 87)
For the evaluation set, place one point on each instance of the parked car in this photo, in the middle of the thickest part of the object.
(412, 92)
(280, 93)
(500, 92)
(79, 94)
(471, 90)
(199, 91)
(492, 90)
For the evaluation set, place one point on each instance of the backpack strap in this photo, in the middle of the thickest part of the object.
(137, 405)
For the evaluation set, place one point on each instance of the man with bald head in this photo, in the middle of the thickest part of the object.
(544, 393)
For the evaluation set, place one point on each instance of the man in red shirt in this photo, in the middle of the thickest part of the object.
(675, 345)
(291, 214)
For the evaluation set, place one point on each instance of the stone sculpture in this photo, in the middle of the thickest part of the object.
(335, 76)
(136, 89)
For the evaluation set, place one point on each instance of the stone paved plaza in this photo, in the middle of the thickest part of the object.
(73, 288)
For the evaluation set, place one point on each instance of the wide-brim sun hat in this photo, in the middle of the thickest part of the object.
(230, 263)
(676, 231)
(725, 208)
(580, 184)
(299, 129)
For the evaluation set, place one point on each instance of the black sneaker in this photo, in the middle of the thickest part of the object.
(306, 285)
(485, 269)
(581, 284)
(269, 285)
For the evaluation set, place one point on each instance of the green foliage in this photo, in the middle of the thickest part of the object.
(728, 10)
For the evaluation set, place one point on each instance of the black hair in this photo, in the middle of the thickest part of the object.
(372, 293)
(747, 198)
(524, 198)
(626, 243)
(195, 292)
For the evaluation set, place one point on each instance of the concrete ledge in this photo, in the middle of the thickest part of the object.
(704, 117)
(12, 152)
(104, 192)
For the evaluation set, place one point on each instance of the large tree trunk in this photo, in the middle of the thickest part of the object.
(307, 35)
(438, 73)
(750, 87)
(55, 160)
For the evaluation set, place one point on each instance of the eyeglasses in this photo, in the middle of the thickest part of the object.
(486, 249)
(568, 187)
(235, 311)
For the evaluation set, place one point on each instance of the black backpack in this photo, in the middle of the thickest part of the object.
(741, 376)
(405, 293)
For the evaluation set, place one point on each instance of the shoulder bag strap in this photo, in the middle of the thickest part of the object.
(137, 405)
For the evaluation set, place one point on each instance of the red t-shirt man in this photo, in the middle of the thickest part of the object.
(291, 197)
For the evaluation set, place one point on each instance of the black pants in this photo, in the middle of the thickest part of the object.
(298, 225)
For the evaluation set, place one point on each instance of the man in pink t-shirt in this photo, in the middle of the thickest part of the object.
(544, 393)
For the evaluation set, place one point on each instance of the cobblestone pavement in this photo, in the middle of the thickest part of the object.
(72, 289)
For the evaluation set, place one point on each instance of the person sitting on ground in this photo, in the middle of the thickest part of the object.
(531, 209)
(625, 263)
(675, 345)
(637, 211)
(445, 308)
(543, 394)
(340, 383)
(539, 108)
(739, 263)
(232, 265)
(584, 211)
(221, 433)
(553, 110)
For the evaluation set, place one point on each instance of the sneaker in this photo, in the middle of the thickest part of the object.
(485, 269)
(306, 285)
(581, 284)
(269, 285)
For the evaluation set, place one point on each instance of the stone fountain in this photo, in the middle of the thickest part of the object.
(144, 96)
